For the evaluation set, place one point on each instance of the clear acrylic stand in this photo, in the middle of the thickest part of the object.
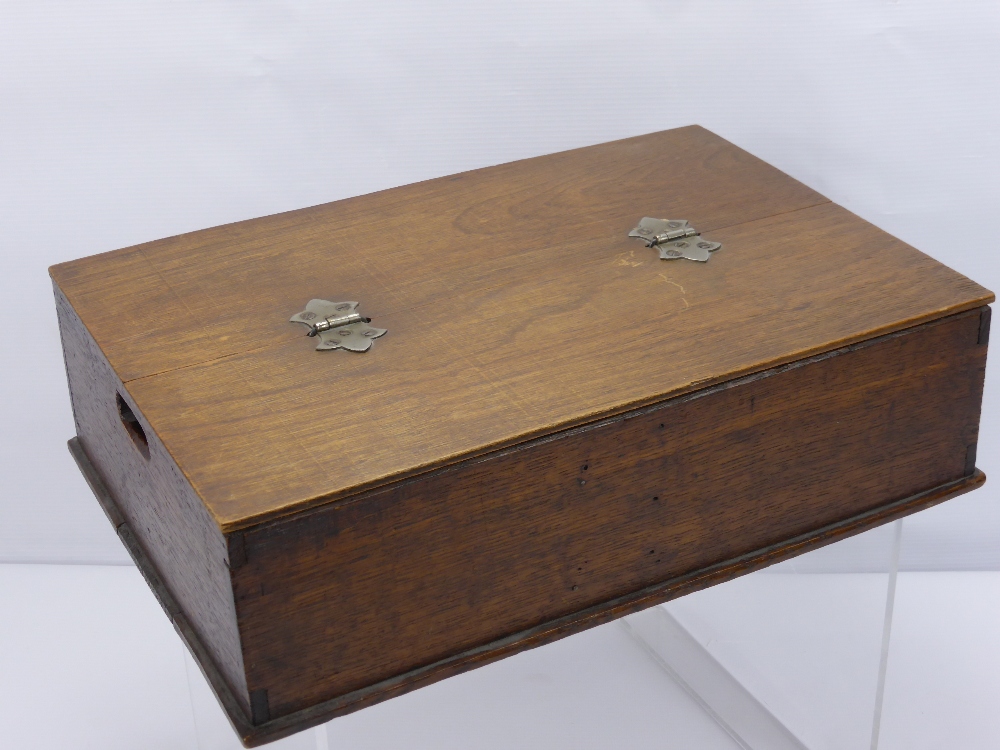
(788, 658)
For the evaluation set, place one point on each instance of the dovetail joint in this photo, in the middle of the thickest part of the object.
(260, 710)
(984, 325)
(237, 551)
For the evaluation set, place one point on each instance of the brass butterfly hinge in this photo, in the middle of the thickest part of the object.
(338, 325)
(674, 238)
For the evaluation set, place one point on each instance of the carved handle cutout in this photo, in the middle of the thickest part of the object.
(132, 426)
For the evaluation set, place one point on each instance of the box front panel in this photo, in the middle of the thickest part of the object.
(340, 598)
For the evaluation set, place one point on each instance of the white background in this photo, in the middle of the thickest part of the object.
(123, 122)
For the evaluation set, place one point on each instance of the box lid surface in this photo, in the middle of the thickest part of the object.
(516, 306)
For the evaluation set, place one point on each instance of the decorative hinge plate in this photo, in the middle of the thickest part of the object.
(674, 238)
(338, 325)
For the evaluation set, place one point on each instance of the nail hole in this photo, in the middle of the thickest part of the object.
(586, 466)
(132, 426)
(662, 426)
(656, 499)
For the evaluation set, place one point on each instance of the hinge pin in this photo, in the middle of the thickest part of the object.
(336, 322)
(675, 234)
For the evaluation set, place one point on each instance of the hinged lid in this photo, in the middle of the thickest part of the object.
(518, 306)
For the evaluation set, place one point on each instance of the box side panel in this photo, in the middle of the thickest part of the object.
(345, 596)
(160, 509)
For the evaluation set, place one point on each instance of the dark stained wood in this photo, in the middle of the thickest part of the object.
(459, 558)
(558, 429)
(204, 656)
(165, 516)
(274, 729)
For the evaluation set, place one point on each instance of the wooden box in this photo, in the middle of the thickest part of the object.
(560, 426)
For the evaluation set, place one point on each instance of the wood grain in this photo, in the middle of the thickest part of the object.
(205, 656)
(515, 304)
(354, 593)
(165, 517)
(277, 728)
(550, 349)
(559, 427)
(199, 296)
